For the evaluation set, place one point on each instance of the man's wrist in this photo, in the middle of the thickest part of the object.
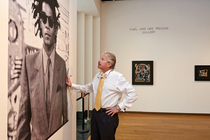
(118, 107)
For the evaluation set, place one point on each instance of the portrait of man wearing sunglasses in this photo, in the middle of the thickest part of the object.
(43, 101)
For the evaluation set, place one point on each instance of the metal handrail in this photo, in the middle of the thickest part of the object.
(83, 114)
(82, 97)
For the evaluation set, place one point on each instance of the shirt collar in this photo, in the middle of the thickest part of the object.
(107, 73)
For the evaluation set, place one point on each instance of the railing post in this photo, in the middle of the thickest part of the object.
(83, 118)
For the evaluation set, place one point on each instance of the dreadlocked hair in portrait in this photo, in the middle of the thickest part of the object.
(37, 9)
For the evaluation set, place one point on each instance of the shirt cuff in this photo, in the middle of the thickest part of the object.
(122, 107)
(75, 88)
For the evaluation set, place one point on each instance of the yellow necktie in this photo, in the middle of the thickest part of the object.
(99, 93)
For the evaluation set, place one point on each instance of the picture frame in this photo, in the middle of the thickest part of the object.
(202, 72)
(142, 72)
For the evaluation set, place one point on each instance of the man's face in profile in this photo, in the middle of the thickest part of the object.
(47, 25)
(103, 63)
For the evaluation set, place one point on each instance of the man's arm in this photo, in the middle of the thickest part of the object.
(23, 131)
(88, 88)
(125, 87)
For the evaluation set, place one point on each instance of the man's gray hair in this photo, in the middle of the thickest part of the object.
(111, 59)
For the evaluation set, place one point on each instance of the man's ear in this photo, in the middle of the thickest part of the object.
(109, 65)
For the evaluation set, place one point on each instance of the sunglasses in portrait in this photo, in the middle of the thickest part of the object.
(44, 18)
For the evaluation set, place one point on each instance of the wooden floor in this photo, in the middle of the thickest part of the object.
(163, 127)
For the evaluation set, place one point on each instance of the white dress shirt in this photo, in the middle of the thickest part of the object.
(114, 85)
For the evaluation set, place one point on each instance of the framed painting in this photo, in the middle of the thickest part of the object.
(202, 73)
(142, 72)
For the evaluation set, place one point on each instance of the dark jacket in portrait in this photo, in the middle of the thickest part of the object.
(33, 123)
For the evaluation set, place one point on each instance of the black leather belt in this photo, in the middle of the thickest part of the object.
(102, 110)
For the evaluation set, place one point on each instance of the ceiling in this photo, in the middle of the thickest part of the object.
(88, 7)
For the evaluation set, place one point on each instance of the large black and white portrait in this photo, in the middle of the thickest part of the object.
(38, 45)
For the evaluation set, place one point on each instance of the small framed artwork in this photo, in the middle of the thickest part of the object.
(142, 72)
(202, 73)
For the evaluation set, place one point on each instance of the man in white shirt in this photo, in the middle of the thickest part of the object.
(104, 122)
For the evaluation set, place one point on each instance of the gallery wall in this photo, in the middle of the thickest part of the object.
(3, 67)
(174, 34)
(88, 45)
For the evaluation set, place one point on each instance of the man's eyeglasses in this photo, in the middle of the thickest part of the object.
(44, 18)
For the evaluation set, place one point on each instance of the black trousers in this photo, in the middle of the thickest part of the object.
(103, 126)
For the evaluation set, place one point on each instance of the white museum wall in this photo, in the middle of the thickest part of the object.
(88, 45)
(88, 49)
(183, 43)
(68, 131)
(3, 67)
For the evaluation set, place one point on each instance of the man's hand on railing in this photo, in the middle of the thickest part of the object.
(83, 94)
